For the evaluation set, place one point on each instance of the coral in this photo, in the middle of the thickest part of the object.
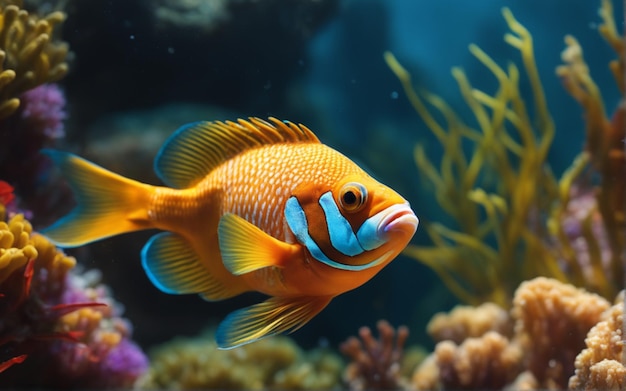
(43, 108)
(28, 54)
(601, 364)
(56, 322)
(31, 108)
(551, 321)
(515, 220)
(269, 363)
(466, 322)
(488, 362)
(36, 124)
(375, 364)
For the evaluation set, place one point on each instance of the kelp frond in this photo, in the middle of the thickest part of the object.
(494, 181)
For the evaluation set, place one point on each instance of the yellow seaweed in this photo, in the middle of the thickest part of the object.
(508, 206)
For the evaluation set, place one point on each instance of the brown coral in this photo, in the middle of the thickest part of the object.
(551, 322)
(488, 362)
(466, 322)
(601, 364)
(375, 364)
(28, 55)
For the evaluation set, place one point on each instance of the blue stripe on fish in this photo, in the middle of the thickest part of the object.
(296, 220)
(341, 235)
(368, 235)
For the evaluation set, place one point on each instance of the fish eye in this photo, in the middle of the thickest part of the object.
(352, 197)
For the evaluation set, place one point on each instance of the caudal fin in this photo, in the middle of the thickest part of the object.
(108, 203)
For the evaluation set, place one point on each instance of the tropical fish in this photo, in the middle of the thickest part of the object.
(251, 205)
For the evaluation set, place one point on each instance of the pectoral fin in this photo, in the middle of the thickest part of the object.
(246, 248)
(273, 316)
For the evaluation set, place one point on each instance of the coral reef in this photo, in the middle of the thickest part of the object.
(56, 322)
(277, 363)
(375, 364)
(29, 56)
(601, 365)
(36, 124)
(515, 220)
(32, 108)
(549, 320)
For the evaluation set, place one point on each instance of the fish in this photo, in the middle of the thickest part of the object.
(247, 205)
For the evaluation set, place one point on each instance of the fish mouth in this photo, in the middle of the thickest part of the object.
(399, 218)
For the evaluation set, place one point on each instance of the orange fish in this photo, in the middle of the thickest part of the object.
(250, 206)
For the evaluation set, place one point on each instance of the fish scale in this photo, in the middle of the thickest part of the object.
(249, 192)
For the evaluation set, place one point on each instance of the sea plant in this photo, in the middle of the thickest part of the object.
(514, 219)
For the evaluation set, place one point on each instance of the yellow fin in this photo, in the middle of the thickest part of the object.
(173, 266)
(108, 203)
(195, 149)
(246, 248)
(273, 316)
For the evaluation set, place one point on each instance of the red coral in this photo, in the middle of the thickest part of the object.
(6, 193)
(375, 363)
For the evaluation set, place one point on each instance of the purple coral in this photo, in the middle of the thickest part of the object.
(43, 108)
(36, 124)
(105, 356)
(375, 363)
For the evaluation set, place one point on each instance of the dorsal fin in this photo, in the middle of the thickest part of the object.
(197, 148)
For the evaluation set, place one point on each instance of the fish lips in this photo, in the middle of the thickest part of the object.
(398, 218)
(396, 221)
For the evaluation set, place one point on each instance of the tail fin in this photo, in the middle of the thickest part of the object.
(108, 203)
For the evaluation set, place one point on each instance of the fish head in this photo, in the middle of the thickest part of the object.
(353, 224)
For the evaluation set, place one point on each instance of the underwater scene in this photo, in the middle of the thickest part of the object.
(312, 194)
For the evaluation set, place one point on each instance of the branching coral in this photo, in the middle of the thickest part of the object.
(28, 54)
(51, 315)
(551, 321)
(273, 363)
(375, 364)
(511, 211)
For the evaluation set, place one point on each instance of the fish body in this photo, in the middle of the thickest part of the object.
(249, 206)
